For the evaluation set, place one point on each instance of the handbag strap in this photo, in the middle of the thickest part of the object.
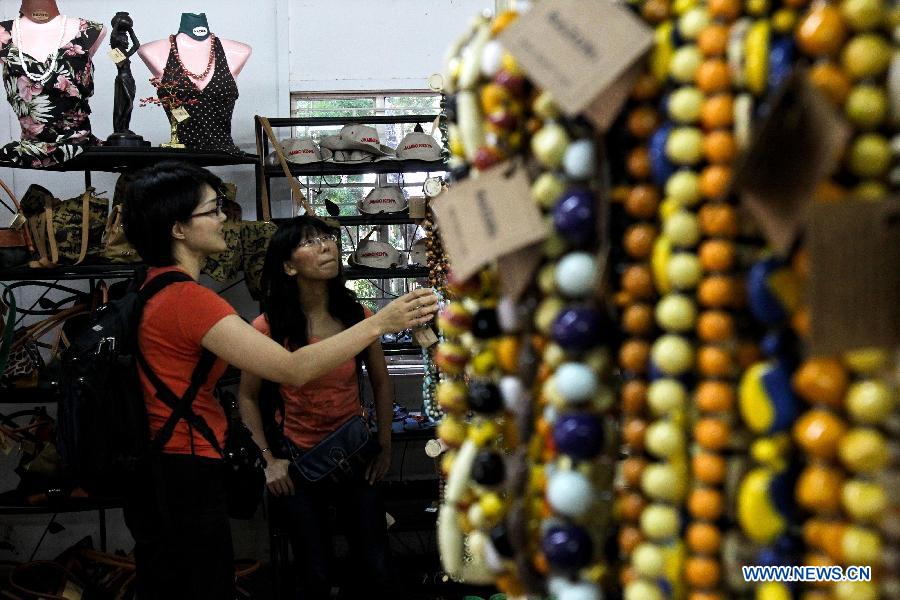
(298, 196)
(181, 407)
(85, 223)
(9, 328)
(16, 573)
(18, 208)
(37, 330)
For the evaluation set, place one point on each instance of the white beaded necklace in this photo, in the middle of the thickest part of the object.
(48, 73)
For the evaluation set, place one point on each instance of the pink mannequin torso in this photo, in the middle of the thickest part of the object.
(194, 55)
(40, 40)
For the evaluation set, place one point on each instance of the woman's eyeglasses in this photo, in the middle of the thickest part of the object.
(215, 211)
(318, 240)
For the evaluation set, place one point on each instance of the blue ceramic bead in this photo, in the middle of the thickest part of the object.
(567, 547)
(764, 302)
(661, 168)
(580, 435)
(781, 60)
(574, 217)
(777, 383)
(576, 328)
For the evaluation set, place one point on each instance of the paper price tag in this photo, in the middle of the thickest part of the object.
(583, 52)
(854, 275)
(485, 218)
(5, 446)
(117, 55)
(417, 207)
(425, 337)
(794, 148)
(180, 114)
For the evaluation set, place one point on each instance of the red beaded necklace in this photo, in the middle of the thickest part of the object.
(209, 65)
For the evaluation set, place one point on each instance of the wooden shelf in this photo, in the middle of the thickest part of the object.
(96, 271)
(380, 166)
(395, 273)
(113, 158)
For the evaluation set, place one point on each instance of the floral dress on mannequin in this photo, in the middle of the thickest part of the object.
(53, 114)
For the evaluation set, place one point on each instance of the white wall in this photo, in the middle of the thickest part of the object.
(299, 45)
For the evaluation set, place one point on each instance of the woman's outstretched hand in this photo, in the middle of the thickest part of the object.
(408, 311)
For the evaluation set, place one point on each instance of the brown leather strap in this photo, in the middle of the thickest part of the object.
(25, 233)
(299, 197)
(85, 223)
(37, 330)
(261, 183)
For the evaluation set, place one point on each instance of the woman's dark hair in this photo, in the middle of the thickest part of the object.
(281, 294)
(156, 198)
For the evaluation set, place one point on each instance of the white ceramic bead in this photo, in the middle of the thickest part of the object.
(508, 315)
(491, 59)
(513, 393)
(575, 382)
(576, 274)
(579, 161)
(570, 493)
(580, 590)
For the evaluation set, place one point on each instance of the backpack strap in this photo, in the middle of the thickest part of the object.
(181, 407)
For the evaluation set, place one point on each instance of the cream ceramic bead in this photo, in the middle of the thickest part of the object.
(673, 354)
(664, 439)
(861, 546)
(547, 189)
(684, 187)
(642, 590)
(685, 146)
(549, 144)
(869, 402)
(676, 312)
(685, 63)
(659, 522)
(685, 104)
(684, 271)
(665, 396)
(648, 560)
(682, 229)
(692, 22)
(863, 500)
(661, 482)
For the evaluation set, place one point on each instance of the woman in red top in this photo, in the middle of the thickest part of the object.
(178, 517)
(305, 301)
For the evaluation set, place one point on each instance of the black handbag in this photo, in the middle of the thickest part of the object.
(342, 456)
(245, 481)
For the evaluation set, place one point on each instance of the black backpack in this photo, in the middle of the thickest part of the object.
(103, 432)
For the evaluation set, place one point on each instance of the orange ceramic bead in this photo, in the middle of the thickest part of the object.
(714, 361)
(713, 40)
(714, 396)
(706, 503)
(727, 10)
(655, 11)
(800, 322)
(639, 239)
(637, 280)
(638, 163)
(819, 488)
(717, 112)
(719, 146)
(716, 255)
(629, 538)
(716, 291)
(708, 468)
(703, 537)
(539, 561)
(642, 201)
(633, 356)
(712, 76)
(718, 220)
(642, 121)
(712, 433)
(508, 353)
(702, 572)
(821, 31)
(634, 396)
(646, 88)
(819, 432)
(638, 319)
(634, 432)
(704, 596)
(714, 181)
(822, 381)
(715, 326)
(627, 575)
(831, 81)
(832, 541)
(631, 505)
(632, 469)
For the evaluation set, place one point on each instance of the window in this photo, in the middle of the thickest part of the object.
(346, 190)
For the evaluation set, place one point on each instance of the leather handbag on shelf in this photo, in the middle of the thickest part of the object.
(24, 363)
(64, 231)
(16, 248)
(226, 265)
(116, 247)
(255, 235)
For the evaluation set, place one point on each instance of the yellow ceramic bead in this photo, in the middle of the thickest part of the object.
(452, 431)
(483, 432)
(492, 506)
(484, 362)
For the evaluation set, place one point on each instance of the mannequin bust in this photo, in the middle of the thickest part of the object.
(194, 50)
(40, 25)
